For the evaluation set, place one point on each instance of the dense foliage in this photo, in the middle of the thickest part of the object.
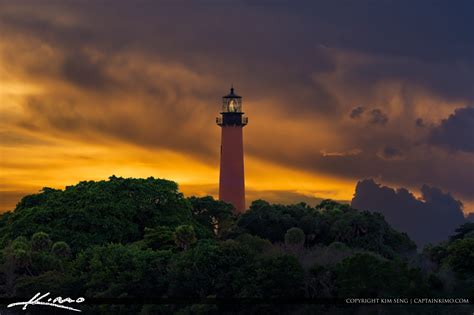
(89, 213)
(141, 238)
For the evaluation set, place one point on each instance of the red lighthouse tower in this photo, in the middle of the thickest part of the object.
(231, 179)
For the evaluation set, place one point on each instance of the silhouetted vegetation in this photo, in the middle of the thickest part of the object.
(141, 238)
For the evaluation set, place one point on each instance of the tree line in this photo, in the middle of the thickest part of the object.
(134, 238)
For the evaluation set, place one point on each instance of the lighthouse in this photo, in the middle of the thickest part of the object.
(231, 176)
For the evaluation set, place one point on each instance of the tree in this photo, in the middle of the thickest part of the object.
(461, 256)
(254, 243)
(100, 212)
(274, 277)
(269, 221)
(365, 275)
(184, 236)
(462, 231)
(161, 237)
(294, 238)
(312, 227)
(210, 269)
(61, 249)
(216, 215)
(22, 259)
(320, 283)
(41, 242)
(139, 238)
(117, 270)
(331, 205)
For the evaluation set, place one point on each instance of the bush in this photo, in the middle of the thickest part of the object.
(294, 237)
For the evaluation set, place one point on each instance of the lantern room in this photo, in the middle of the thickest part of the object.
(231, 103)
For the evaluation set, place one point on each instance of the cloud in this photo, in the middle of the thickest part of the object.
(357, 112)
(80, 69)
(10, 138)
(431, 219)
(419, 122)
(377, 117)
(390, 153)
(456, 133)
(341, 153)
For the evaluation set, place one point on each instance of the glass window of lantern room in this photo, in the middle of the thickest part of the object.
(225, 102)
(231, 105)
(238, 103)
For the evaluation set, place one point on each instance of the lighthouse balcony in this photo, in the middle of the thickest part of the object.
(232, 119)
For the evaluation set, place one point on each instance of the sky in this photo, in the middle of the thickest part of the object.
(336, 92)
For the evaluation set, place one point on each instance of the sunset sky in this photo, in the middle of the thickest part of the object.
(335, 92)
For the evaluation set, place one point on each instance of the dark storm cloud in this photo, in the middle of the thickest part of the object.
(429, 220)
(80, 69)
(377, 117)
(417, 166)
(267, 45)
(419, 122)
(453, 81)
(357, 112)
(409, 28)
(234, 44)
(44, 24)
(391, 153)
(144, 127)
(456, 132)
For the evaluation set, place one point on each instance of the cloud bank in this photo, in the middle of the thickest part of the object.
(430, 219)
